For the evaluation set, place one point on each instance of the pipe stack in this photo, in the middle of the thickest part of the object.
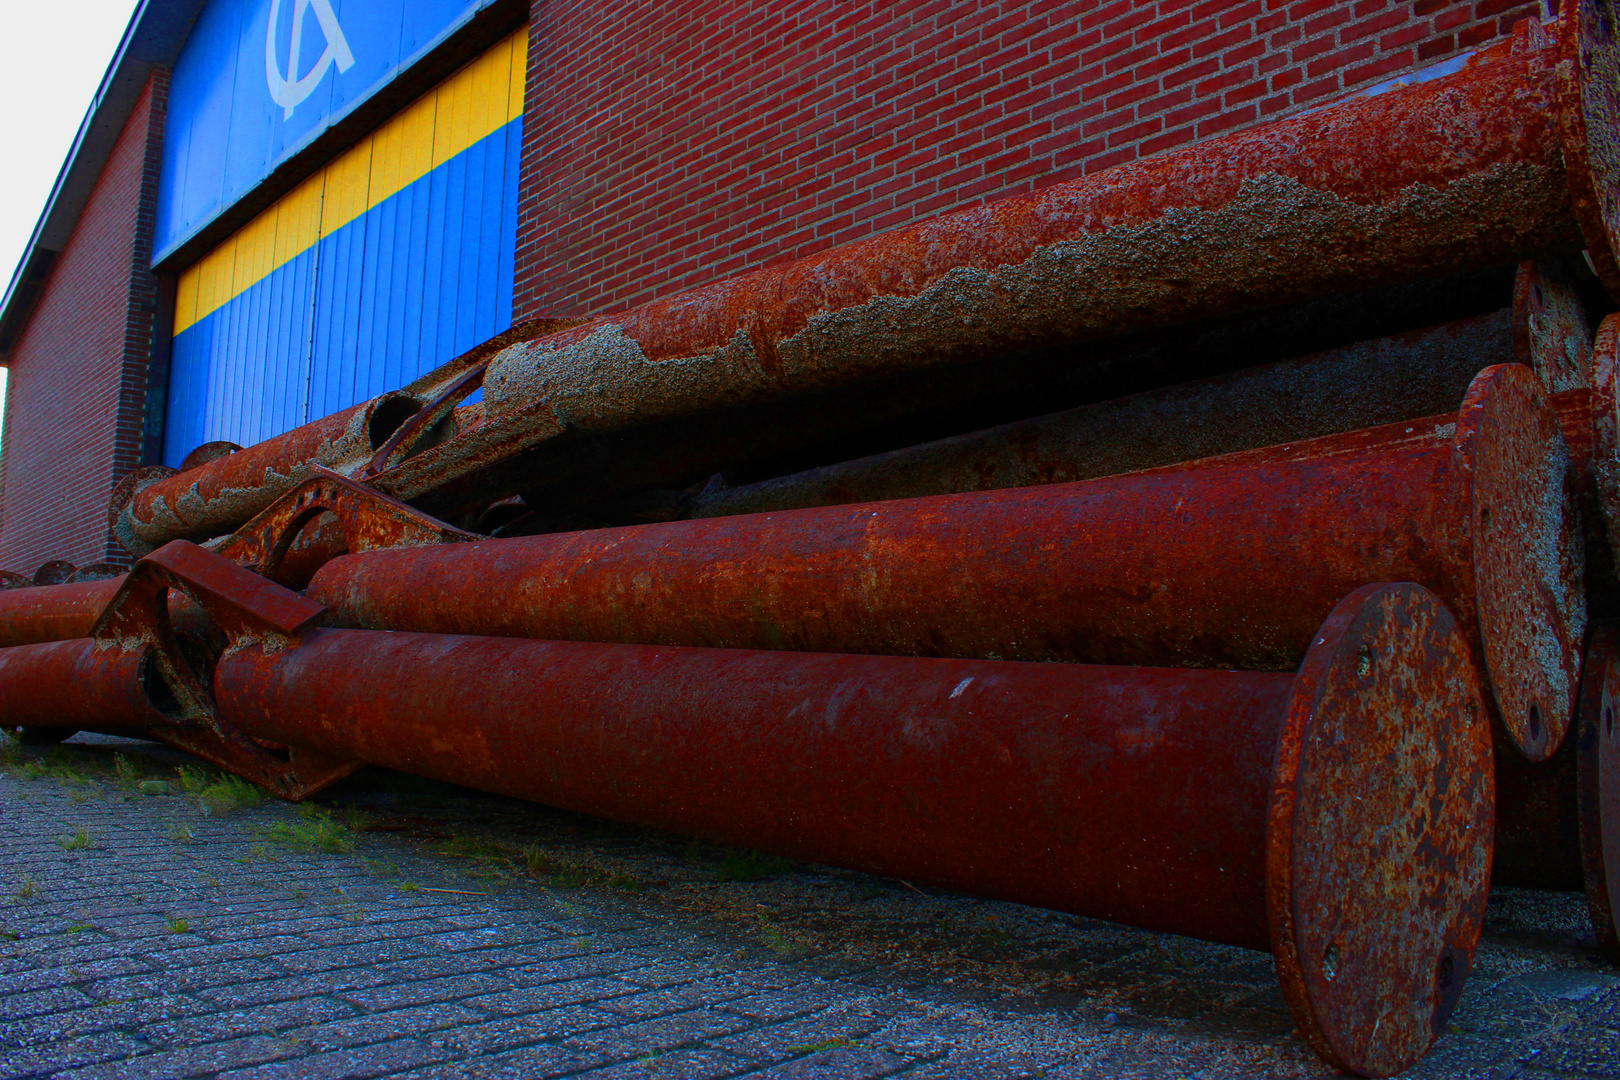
(1264, 653)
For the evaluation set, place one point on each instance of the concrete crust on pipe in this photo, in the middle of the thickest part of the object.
(1340, 817)
(1201, 566)
(1361, 385)
(1457, 172)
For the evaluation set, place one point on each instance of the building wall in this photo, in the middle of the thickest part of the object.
(77, 387)
(393, 259)
(673, 143)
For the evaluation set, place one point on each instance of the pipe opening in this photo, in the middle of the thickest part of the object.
(388, 417)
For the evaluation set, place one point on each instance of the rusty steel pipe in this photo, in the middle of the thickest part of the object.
(71, 684)
(228, 487)
(1338, 817)
(1507, 157)
(52, 612)
(1558, 822)
(1359, 385)
(1207, 567)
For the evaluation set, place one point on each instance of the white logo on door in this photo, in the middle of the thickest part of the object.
(289, 89)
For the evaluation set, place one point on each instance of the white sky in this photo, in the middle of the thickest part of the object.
(52, 56)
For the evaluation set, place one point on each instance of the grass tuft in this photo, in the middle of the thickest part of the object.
(125, 773)
(28, 888)
(228, 794)
(751, 866)
(319, 831)
(77, 842)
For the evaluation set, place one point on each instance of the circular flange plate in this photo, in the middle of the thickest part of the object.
(1379, 843)
(1588, 74)
(55, 572)
(1597, 786)
(124, 492)
(1528, 553)
(208, 451)
(1605, 376)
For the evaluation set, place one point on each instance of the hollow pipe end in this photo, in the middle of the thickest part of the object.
(1528, 554)
(1589, 128)
(1379, 839)
(119, 521)
(1597, 785)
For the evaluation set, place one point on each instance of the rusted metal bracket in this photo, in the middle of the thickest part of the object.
(247, 612)
(366, 521)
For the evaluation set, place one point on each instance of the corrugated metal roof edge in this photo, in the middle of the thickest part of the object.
(153, 38)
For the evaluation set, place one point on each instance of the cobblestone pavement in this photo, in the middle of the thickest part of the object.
(403, 928)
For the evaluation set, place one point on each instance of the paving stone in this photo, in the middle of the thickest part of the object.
(378, 1060)
(675, 1065)
(313, 964)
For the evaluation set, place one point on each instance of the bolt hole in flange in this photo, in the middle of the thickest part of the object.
(1330, 961)
(1485, 520)
(1364, 661)
(1535, 720)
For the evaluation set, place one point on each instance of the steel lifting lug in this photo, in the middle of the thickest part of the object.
(244, 612)
(367, 520)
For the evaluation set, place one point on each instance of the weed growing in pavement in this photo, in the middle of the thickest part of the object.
(565, 872)
(818, 1047)
(78, 928)
(77, 842)
(28, 888)
(751, 866)
(179, 832)
(773, 939)
(192, 779)
(125, 774)
(10, 750)
(177, 925)
(319, 831)
(229, 793)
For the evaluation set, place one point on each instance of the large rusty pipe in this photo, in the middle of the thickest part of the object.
(1507, 156)
(1558, 822)
(1206, 567)
(74, 685)
(52, 612)
(1338, 817)
(155, 505)
(1360, 385)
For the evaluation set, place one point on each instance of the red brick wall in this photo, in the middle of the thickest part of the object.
(78, 370)
(667, 144)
